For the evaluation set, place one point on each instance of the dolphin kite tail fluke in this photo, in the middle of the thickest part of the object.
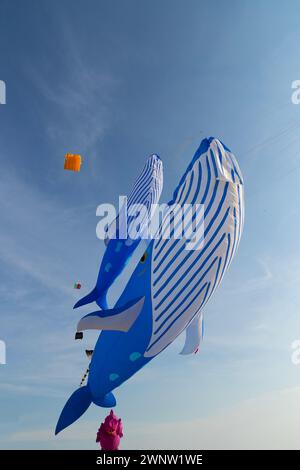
(94, 296)
(88, 299)
(77, 405)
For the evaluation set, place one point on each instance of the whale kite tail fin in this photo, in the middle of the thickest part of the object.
(78, 403)
(88, 299)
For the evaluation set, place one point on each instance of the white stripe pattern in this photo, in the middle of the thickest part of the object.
(146, 191)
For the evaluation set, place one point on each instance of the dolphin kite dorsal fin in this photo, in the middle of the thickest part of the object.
(194, 335)
(118, 319)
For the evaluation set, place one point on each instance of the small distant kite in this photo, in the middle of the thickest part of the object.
(89, 352)
(72, 162)
(77, 285)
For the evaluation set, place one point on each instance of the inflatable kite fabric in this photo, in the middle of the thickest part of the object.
(171, 284)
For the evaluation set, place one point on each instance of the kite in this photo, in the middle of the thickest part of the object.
(171, 285)
(146, 193)
(72, 162)
(110, 432)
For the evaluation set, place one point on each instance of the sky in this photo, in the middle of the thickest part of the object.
(116, 81)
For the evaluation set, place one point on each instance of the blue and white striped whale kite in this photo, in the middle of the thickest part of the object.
(171, 284)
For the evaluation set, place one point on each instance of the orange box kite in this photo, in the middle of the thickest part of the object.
(72, 162)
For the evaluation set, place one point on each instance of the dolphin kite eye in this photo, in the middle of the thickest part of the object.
(144, 257)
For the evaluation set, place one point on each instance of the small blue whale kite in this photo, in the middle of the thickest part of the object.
(171, 284)
(146, 192)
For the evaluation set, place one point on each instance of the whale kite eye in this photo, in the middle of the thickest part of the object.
(144, 257)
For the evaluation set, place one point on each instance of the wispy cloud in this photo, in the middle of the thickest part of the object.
(80, 95)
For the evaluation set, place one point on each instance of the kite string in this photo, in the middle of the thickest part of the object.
(84, 377)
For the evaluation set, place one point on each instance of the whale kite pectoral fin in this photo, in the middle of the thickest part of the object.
(88, 299)
(118, 319)
(194, 335)
(77, 404)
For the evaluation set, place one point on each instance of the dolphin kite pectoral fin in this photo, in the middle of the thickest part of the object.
(77, 404)
(88, 299)
(194, 335)
(118, 319)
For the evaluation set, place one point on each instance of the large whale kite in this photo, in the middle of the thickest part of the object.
(171, 284)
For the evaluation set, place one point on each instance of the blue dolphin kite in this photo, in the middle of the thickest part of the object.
(172, 282)
(146, 193)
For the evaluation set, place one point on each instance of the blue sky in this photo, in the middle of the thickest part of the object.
(116, 81)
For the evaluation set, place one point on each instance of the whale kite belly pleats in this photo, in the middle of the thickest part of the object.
(184, 279)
